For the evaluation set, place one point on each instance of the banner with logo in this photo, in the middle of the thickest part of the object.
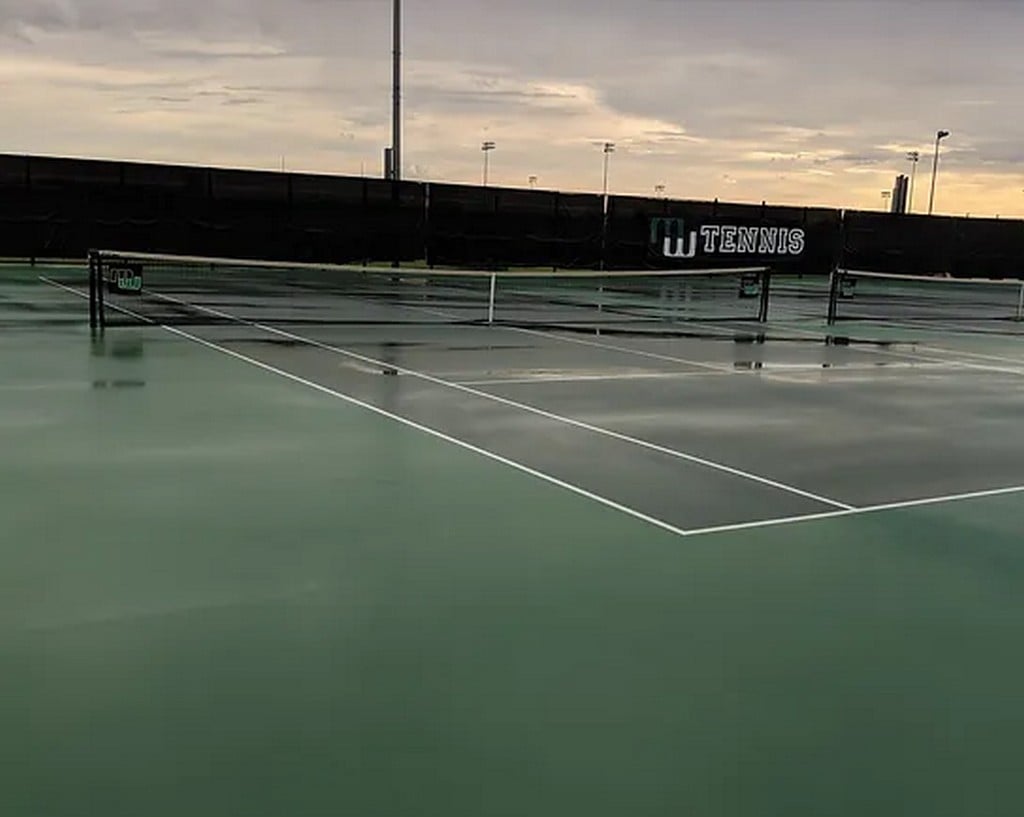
(698, 234)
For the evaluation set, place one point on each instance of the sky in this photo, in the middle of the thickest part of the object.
(807, 102)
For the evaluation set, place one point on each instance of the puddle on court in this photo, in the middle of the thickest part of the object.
(390, 344)
(29, 307)
(121, 347)
(284, 343)
(880, 343)
(125, 352)
(750, 339)
(399, 344)
(494, 347)
(118, 384)
(757, 365)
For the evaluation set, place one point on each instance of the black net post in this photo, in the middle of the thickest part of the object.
(835, 286)
(835, 282)
(766, 289)
(100, 304)
(93, 302)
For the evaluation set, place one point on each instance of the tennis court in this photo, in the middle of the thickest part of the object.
(274, 567)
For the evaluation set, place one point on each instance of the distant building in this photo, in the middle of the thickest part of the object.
(899, 195)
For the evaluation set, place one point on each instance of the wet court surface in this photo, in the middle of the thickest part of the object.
(468, 570)
(819, 422)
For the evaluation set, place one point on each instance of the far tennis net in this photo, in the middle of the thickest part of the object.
(133, 288)
(876, 296)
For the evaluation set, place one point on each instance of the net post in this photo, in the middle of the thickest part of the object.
(1020, 301)
(834, 286)
(93, 317)
(101, 312)
(490, 299)
(766, 287)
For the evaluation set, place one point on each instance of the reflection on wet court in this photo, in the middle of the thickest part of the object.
(443, 567)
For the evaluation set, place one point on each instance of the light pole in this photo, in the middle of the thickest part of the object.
(486, 147)
(939, 136)
(609, 149)
(913, 157)
(396, 94)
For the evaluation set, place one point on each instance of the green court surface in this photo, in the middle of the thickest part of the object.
(250, 573)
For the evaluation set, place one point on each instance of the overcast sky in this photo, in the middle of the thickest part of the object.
(798, 101)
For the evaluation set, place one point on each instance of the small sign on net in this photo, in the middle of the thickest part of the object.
(125, 279)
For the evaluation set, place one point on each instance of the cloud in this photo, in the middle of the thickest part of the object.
(860, 159)
(500, 97)
(783, 100)
(161, 45)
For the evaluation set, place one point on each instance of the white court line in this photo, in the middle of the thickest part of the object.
(913, 355)
(765, 372)
(715, 367)
(769, 372)
(554, 335)
(742, 526)
(784, 372)
(541, 379)
(866, 509)
(318, 387)
(927, 346)
(979, 355)
(605, 432)
(951, 363)
(971, 329)
(533, 472)
(76, 292)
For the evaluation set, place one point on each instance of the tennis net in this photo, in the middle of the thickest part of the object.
(876, 296)
(133, 288)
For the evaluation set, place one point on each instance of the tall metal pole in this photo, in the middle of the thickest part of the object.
(604, 183)
(942, 134)
(396, 95)
(486, 147)
(609, 148)
(913, 156)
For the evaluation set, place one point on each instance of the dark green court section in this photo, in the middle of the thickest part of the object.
(224, 594)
